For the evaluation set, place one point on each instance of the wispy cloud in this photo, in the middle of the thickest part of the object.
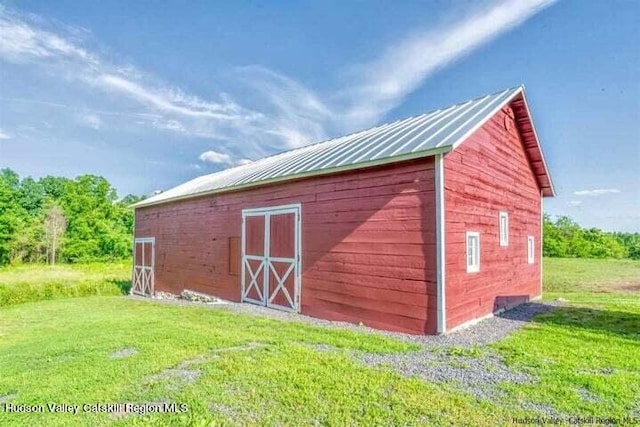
(574, 202)
(25, 41)
(596, 192)
(405, 65)
(375, 87)
(277, 112)
(4, 135)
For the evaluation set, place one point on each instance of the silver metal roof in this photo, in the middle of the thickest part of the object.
(420, 136)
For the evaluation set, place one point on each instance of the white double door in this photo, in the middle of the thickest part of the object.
(271, 257)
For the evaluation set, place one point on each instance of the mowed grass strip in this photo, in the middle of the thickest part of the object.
(229, 368)
(35, 282)
(591, 275)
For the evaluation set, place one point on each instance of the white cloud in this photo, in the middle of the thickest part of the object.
(4, 135)
(574, 202)
(596, 192)
(215, 157)
(243, 162)
(91, 120)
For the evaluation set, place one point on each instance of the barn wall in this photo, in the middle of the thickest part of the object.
(489, 173)
(368, 244)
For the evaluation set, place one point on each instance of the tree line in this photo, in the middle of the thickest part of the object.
(82, 220)
(56, 218)
(565, 238)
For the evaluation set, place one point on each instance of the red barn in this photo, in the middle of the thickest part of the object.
(421, 225)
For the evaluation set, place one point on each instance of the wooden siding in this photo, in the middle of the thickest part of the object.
(487, 174)
(368, 244)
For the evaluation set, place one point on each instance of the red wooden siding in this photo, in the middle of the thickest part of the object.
(489, 173)
(368, 243)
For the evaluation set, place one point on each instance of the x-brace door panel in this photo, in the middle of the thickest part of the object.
(143, 264)
(271, 257)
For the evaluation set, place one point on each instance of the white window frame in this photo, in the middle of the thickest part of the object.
(531, 250)
(504, 236)
(473, 267)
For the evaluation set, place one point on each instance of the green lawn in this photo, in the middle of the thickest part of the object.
(234, 369)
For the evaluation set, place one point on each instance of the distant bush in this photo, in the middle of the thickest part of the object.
(564, 238)
(28, 283)
(18, 294)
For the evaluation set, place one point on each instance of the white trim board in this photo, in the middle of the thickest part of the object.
(440, 246)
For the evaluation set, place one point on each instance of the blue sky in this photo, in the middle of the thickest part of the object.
(151, 96)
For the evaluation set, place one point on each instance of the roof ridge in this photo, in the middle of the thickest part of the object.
(337, 153)
(354, 133)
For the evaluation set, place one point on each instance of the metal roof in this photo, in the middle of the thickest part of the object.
(419, 136)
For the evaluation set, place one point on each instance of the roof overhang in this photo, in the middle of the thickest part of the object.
(320, 172)
(516, 99)
(524, 122)
(531, 143)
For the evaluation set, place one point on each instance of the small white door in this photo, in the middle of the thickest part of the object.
(271, 257)
(143, 263)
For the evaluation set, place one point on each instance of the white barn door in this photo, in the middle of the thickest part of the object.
(143, 263)
(271, 257)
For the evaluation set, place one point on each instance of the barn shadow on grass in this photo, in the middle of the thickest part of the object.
(623, 324)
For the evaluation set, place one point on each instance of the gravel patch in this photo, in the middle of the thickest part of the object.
(479, 375)
(546, 410)
(223, 409)
(214, 354)
(588, 396)
(175, 379)
(9, 396)
(125, 352)
(184, 373)
(322, 348)
(604, 371)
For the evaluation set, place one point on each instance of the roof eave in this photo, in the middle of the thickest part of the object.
(546, 191)
(319, 172)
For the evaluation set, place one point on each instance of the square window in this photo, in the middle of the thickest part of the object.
(504, 229)
(531, 250)
(473, 251)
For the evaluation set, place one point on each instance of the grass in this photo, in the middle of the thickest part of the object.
(26, 283)
(233, 369)
(591, 275)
